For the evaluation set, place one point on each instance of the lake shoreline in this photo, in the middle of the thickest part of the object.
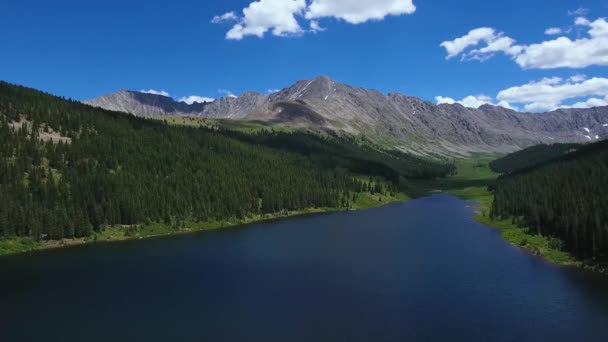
(536, 245)
(354, 275)
(115, 234)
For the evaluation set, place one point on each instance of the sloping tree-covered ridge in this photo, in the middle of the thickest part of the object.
(531, 156)
(67, 169)
(566, 198)
(345, 152)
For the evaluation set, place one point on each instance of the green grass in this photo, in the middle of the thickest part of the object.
(477, 171)
(20, 245)
(245, 126)
(119, 233)
(537, 244)
(476, 168)
(367, 200)
(480, 195)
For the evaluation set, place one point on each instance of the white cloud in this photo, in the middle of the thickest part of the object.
(156, 92)
(547, 94)
(226, 17)
(316, 27)
(442, 100)
(561, 52)
(358, 11)
(226, 93)
(195, 99)
(187, 99)
(504, 44)
(262, 16)
(551, 93)
(577, 78)
(474, 101)
(473, 38)
(272, 91)
(582, 21)
(581, 11)
(280, 17)
(591, 102)
(507, 105)
(551, 31)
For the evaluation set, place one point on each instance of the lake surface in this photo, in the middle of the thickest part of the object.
(422, 271)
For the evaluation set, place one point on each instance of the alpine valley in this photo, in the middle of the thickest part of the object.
(304, 170)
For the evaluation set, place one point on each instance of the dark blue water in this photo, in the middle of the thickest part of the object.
(422, 270)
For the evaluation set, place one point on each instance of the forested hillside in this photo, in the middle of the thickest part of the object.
(566, 198)
(531, 156)
(68, 170)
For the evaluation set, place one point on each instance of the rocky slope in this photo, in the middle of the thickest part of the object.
(146, 105)
(407, 122)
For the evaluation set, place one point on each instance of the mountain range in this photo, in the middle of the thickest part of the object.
(408, 123)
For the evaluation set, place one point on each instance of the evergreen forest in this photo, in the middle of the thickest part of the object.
(564, 198)
(68, 170)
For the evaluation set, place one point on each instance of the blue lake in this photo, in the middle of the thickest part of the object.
(417, 271)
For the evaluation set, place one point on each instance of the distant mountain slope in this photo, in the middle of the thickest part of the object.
(407, 122)
(531, 156)
(152, 105)
(145, 105)
(564, 198)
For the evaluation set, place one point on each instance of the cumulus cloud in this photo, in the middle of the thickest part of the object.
(474, 101)
(504, 44)
(442, 100)
(357, 11)
(551, 93)
(156, 92)
(562, 52)
(551, 31)
(547, 94)
(262, 16)
(469, 101)
(589, 103)
(272, 91)
(195, 99)
(280, 17)
(186, 99)
(473, 38)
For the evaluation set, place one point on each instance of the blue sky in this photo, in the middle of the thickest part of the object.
(82, 50)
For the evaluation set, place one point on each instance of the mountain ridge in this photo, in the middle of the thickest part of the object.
(409, 123)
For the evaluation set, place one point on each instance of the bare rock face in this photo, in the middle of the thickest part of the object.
(407, 122)
(235, 107)
(145, 105)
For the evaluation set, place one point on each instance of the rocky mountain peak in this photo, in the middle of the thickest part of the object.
(410, 123)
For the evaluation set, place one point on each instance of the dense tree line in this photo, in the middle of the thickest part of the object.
(530, 157)
(347, 152)
(565, 198)
(111, 168)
